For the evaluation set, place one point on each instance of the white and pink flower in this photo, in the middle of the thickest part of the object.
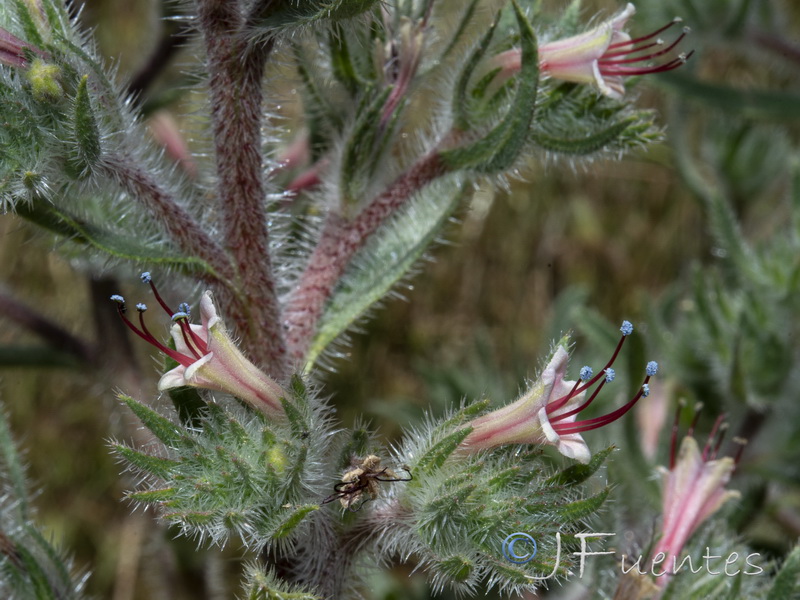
(206, 355)
(547, 413)
(603, 56)
(693, 490)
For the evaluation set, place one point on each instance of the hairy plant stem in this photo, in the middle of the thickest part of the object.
(236, 68)
(179, 224)
(339, 241)
(342, 547)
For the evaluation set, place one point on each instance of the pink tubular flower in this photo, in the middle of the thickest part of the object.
(603, 56)
(547, 412)
(206, 355)
(693, 490)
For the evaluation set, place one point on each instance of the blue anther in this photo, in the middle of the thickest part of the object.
(651, 368)
(645, 390)
(118, 299)
(145, 277)
(141, 307)
(184, 308)
(179, 315)
(586, 373)
(610, 374)
(627, 328)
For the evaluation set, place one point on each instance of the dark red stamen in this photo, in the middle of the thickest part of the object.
(673, 64)
(697, 408)
(163, 304)
(712, 435)
(201, 345)
(184, 326)
(722, 431)
(589, 424)
(147, 337)
(186, 330)
(648, 36)
(663, 51)
(555, 405)
(673, 442)
(608, 55)
(742, 443)
(575, 411)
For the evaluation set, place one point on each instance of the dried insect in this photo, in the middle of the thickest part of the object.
(361, 483)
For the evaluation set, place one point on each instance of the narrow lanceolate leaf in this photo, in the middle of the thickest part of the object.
(466, 413)
(296, 420)
(462, 27)
(439, 452)
(362, 150)
(113, 243)
(387, 258)
(155, 465)
(164, 429)
(499, 148)
(28, 22)
(87, 135)
(585, 144)
(569, 513)
(299, 390)
(289, 522)
(341, 61)
(457, 568)
(579, 473)
(460, 96)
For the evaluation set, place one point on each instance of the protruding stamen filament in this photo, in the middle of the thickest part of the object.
(564, 399)
(722, 431)
(717, 425)
(147, 278)
(741, 442)
(575, 411)
(146, 335)
(673, 442)
(673, 64)
(195, 344)
(626, 328)
(697, 408)
(186, 332)
(589, 424)
(605, 60)
(649, 36)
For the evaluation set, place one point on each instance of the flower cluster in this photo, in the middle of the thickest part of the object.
(547, 413)
(206, 355)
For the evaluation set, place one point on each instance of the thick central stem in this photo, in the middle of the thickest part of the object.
(236, 69)
(340, 240)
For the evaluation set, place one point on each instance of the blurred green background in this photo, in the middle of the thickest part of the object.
(567, 241)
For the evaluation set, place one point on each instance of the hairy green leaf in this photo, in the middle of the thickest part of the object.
(499, 148)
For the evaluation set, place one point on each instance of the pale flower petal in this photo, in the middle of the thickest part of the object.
(172, 379)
